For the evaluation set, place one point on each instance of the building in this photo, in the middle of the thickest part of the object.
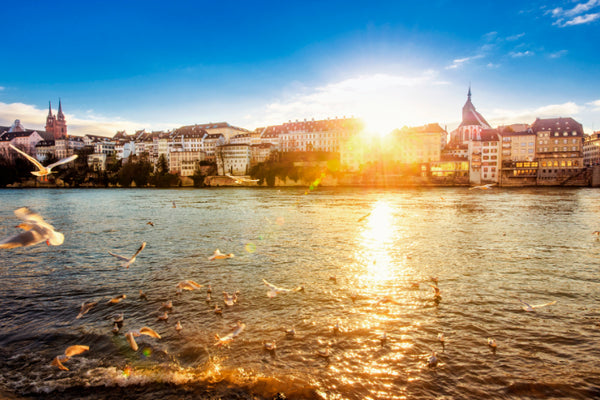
(416, 145)
(591, 149)
(210, 141)
(325, 135)
(56, 125)
(471, 125)
(18, 136)
(559, 149)
(233, 159)
(223, 128)
(260, 153)
(484, 157)
(185, 162)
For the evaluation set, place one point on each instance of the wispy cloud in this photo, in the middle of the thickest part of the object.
(506, 116)
(577, 15)
(515, 37)
(383, 100)
(33, 118)
(519, 54)
(595, 105)
(461, 61)
(558, 54)
(2, 88)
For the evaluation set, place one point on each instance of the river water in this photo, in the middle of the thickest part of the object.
(488, 249)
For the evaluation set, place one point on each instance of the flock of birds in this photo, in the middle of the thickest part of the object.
(36, 230)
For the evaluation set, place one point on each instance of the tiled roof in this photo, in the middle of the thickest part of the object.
(557, 124)
(190, 131)
(489, 135)
(471, 116)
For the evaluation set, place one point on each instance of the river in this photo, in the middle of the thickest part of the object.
(366, 259)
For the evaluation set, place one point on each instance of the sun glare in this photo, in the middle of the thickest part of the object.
(376, 242)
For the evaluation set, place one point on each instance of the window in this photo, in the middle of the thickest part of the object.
(565, 133)
(555, 133)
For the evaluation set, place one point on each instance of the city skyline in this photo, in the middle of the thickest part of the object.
(155, 66)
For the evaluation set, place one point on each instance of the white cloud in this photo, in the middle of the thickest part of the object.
(460, 61)
(515, 37)
(507, 116)
(577, 15)
(383, 101)
(519, 54)
(34, 118)
(558, 54)
(595, 105)
(2, 88)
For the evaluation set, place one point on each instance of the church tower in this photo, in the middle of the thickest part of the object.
(56, 125)
(472, 123)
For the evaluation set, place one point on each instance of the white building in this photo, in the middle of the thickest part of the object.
(325, 135)
(233, 159)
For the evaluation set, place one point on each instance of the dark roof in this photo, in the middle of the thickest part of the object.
(8, 136)
(213, 135)
(557, 125)
(470, 116)
(488, 135)
(190, 131)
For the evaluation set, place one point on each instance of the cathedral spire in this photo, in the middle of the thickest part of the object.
(49, 108)
(60, 114)
(469, 94)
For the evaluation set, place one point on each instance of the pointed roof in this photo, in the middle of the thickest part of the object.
(471, 116)
(49, 108)
(60, 113)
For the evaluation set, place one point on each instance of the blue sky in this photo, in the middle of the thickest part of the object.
(149, 64)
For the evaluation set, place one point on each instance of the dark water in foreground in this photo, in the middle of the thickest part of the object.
(488, 249)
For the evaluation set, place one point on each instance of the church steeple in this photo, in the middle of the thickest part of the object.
(56, 125)
(60, 114)
(49, 108)
(469, 94)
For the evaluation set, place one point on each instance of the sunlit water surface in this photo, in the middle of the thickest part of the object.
(487, 248)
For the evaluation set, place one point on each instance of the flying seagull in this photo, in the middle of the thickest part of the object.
(43, 171)
(239, 179)
(131, 335)
(36, 231)
(530, 308)
(69, 352)
(483, 187)
(275, 290)
(230, 336)
(129, 261)
(85, 307)
(188, 285)
(217, 255)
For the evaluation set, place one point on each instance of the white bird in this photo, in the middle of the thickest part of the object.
(131, 335)
(432, 361)
(188, 285)
(442, 340)
(167, 306)
(229, 299)
(36, 231)
(117, 299)
(530, 308)
(43, 171)
(85, 307)
(115, 328)
(178, 326)
(275, 290)
(483, 187)
(270, 346)
(163, 317)
(217, 255)
(323, 352)
(218, 310)
(240, 179)
(69, 352)
(230, 336)
(129, 261)
(492, 344)
(291, 332)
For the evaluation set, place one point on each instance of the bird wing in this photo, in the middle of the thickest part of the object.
(76, 349)
(149, 332)
(526, 306)
(27, 215)
(544, 305)
(57, 363)
(131, 340)
(27, 156)
(27, 238)
(63, 161)
(118, 256)
(139, 250)
(270, 285)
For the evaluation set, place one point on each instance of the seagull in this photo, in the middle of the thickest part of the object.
(442, 340)
(115, 328)
(596, 233)
(209, 289)
(230, 336)
(333, 278)
(239, 179)
(208, 298)
(353, 296)
(188, 285)
(529, 308)
(323, 352)
(337, 329)
(129, 261)
(363, 217)
(383, 339)
(150, 223)
(218, 310)
(43, 171)
(387, 299)
(85, 307)
(168, 305)
(118, 319)
(163, 317)
(36, 231)
(174, 205)
(217, 255)
(432, 361)
(229, 299)
(143, 295)
(291, 332)
(270, 346)
(437, 295)
(483, 187)
(69, 352)
(131, 335)
(275, 290)
(117, 299)
(178, 326)
(492, 344)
